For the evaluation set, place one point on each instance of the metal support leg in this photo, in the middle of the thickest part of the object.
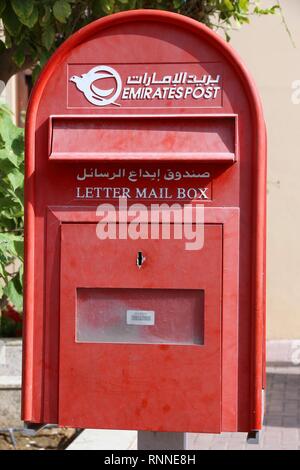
(31, 429)
(150, 440)
(253, 437)
(12, 437)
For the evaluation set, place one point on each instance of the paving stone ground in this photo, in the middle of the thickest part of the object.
(282, 419)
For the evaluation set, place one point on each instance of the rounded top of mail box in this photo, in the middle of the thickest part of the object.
(142, 37)
(137, 66)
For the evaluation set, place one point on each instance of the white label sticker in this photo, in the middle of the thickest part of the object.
(140, 317)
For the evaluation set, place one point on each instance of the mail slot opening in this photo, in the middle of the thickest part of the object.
(161, 316)
(209, 138)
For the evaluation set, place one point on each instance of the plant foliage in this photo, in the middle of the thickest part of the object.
(34, 28)
(12, 209)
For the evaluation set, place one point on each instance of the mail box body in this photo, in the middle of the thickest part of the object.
(149, 107)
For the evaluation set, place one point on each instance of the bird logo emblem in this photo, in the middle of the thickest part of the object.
(94, 94)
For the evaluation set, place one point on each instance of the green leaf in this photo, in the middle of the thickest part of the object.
(17, 145)
(107, 6)
(12, 157)
(31, 20)
(12, 290)
(177, 4)
(48, 37)
(45, 18)
(8, 38)
(4, 110)
(228, 5)
(35, 73)
(19, 57)
(21, 272)
(2, 6)
(97, 8)
(15, 178)
(2, 46)
(266, 11)
(19, 247)
(19, 39)
(62, 10)
(132, 4)
(11, 21)
(244, 5)
(23, 8)
(6, 128)
(6, 165)
(274, 9)
(7, 203)
(44, 57)
(12, 142)
(7, 246)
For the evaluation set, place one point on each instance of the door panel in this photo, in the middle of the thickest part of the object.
(163, 372)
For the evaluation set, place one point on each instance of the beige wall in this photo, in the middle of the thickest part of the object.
(273, 61)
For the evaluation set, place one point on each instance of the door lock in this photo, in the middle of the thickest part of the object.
(140, 259)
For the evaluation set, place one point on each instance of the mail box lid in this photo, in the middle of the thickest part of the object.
(143, 137)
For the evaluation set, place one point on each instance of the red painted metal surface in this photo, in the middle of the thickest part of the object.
(168, 138)
(205, 143)
(141, 386)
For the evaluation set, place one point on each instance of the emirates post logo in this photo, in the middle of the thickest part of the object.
(94, 94)
(102, 86)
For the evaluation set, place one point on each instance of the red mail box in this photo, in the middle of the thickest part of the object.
(136, 110)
